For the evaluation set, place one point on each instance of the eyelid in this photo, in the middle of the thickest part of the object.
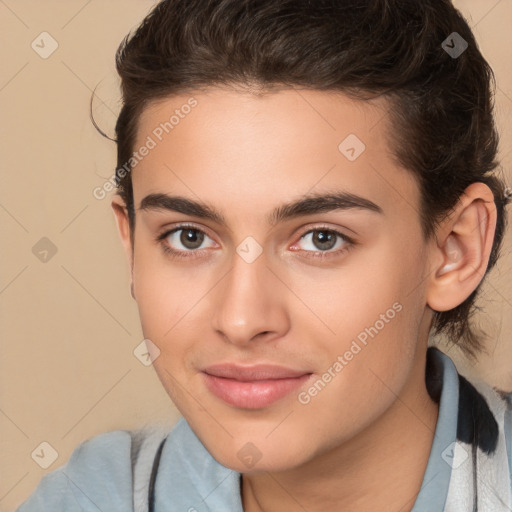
(168, 231)
(325, 227)
(349, 241)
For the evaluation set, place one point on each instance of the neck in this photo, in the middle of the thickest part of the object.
(382, 468)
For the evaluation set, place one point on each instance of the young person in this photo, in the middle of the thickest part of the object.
(307, 191)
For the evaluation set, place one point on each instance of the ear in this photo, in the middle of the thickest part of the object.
(461, 252)
(123, 225)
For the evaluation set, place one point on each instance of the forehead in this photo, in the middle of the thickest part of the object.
(224, 146)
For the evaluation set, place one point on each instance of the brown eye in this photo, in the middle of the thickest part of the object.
(323, 240)
(191, 238)
(184, 241)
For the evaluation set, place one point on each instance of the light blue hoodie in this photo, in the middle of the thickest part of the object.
(112, 471)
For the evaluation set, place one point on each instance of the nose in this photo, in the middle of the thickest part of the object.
(250, 303)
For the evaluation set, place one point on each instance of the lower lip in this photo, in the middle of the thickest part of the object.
(253, 394)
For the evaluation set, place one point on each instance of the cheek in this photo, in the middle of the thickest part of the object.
(165, 291)
(166, 307)
(343, 302)
(169, 299)
(362, 376)
(369, 314)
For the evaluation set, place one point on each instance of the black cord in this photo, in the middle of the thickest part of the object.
(156, 462)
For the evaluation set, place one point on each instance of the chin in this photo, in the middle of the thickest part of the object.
(252, 457)
(262, 466)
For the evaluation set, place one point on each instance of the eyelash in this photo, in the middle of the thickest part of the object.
(349, 243)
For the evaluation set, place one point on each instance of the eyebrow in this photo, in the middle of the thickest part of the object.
(306, 205)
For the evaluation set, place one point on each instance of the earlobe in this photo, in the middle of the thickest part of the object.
(463, 249)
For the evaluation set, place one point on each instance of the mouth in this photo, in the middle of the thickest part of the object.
(253, 387)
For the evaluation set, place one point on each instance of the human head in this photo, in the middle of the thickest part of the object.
(260, 123)
(440, 107)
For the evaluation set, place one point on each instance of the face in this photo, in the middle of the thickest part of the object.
(329, 291)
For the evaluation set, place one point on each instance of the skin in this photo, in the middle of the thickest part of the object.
(365, 439)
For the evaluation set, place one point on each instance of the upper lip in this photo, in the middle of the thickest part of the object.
(254, 372)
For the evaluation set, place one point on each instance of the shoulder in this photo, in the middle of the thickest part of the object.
(99, 474)
(485, 405)
(481, 471)
(485, 421)
(507, 424)
(484, 413)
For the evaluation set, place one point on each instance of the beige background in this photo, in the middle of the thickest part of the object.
(69, 325)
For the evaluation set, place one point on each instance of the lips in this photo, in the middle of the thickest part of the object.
(253, 387)
(253, 373)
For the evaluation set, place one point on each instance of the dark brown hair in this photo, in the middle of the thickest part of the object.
(441, 106)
